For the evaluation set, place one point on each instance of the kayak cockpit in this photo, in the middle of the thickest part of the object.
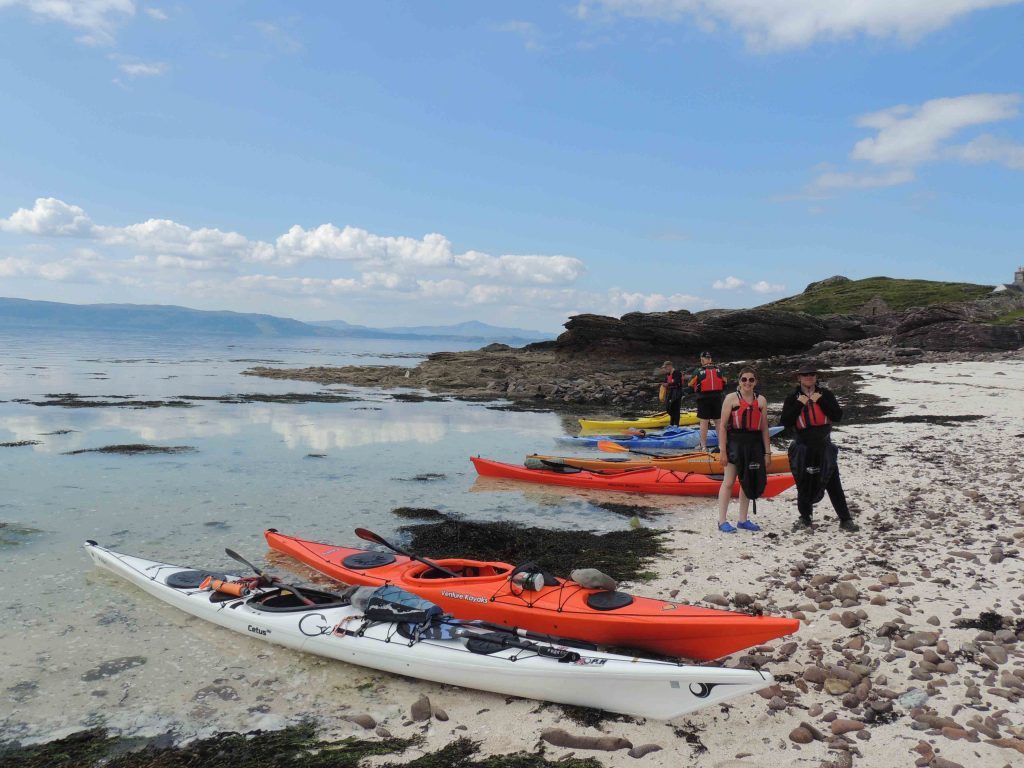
(464, 569)
(285, 600)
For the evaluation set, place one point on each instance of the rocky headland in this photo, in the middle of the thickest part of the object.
(607, 361)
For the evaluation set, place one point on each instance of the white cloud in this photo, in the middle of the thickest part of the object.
(49, 216)
(728, 284)
(143, 69)
(910, 136)
(782, 24)
(433, 251)
(831, 181)
(98, 18)
(282, 40)
(732, 283)
(989, 149)
(300, 269)
(620, 302)
(156, 13)
(525, 30)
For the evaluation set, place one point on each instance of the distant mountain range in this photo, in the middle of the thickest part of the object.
(158, 318)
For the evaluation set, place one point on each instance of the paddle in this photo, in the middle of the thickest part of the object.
(561, 654)
(269, 579)
(612, 447)
(366, 535)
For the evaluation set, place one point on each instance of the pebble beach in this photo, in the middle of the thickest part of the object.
(892, 665)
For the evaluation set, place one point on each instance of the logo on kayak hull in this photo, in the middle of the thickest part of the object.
(461, 596)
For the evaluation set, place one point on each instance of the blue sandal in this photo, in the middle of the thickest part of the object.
(749, 525)
(726, 527)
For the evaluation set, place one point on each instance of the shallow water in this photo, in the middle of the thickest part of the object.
(252, 468)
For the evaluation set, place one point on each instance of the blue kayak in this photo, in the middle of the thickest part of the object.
(673, 438)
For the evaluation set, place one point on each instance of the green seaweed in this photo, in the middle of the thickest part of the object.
(623, 555)
(460, 754)
(418, 513)
(295, 746)
(135, 449)
(11, 535)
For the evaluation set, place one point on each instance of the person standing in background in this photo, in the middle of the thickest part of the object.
(811, 410)
(673, 392)
(745, 449)
(708, 383)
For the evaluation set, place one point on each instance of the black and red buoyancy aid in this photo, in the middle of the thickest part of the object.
(746, 417)
(812, 415)
(709, 379)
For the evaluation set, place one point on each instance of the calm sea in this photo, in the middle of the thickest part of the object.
(314, 469)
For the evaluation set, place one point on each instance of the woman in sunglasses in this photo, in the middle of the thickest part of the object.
(743, 441)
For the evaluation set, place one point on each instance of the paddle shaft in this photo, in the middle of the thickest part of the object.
(295, 591)
(366, 535)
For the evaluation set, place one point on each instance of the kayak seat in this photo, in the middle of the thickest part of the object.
(608, 601)
(364, 560)
(283, 601)
(192, 579)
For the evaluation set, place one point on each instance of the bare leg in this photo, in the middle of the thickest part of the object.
(725, 492)
(704, 434)
(714, 426)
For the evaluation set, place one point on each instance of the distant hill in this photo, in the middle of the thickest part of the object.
(153, 318)
(157, 318)
(471, 329)
(839, 295)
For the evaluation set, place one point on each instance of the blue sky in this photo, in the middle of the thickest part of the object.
(417, 163)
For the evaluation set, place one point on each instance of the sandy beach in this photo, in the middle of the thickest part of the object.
(880, 673)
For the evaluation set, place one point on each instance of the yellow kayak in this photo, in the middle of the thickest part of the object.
(698, 462)
(657, 421)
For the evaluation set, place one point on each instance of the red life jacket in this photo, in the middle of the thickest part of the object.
(746, 417)
(812, 416)
(709, 379)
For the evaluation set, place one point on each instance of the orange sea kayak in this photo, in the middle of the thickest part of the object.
(700, 462)
(649, 480)
(482, 591)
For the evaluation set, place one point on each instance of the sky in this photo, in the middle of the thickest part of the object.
(409, 163)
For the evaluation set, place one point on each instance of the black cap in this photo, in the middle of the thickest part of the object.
(807, 367)
(707, 355)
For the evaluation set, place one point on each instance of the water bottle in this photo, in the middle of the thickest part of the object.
(531, 582)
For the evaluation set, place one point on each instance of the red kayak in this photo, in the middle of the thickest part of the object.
(648, 480)
(483, 591)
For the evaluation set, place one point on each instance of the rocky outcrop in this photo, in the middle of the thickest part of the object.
(834, 280)
(729, 335)
(606, 361)
(956, 335)
(961, 326)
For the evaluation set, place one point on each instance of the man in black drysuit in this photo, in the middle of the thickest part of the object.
(811, 410)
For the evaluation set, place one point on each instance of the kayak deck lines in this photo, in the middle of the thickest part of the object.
(402, 634)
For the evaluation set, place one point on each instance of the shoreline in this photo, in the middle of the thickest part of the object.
(941, 536)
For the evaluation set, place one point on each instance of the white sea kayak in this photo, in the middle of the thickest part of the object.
(447, 651)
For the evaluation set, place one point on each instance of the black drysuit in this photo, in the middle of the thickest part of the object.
(813, 457)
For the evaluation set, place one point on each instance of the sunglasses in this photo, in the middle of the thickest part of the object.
(745, 379)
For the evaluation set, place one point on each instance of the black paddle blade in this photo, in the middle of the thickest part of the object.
(235, 556)
(366, 535)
